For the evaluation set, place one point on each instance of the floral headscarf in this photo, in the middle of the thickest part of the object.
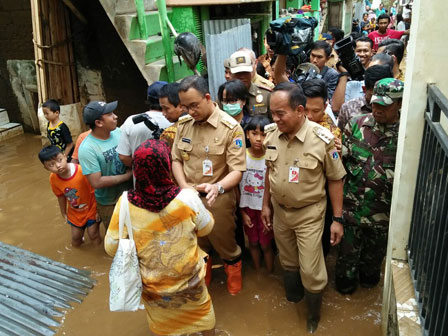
(154, 189)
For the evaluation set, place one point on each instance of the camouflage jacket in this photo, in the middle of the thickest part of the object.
(369, 158)
(351, 109)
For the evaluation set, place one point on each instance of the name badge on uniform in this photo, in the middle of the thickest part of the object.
(207, 168)
(293, 174)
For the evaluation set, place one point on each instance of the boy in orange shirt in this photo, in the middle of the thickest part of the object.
(75, 195)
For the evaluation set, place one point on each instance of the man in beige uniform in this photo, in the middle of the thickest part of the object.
(256, 78)
(209, 155)
(242, 68)
(301, 156)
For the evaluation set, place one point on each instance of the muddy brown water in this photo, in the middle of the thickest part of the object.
(30, 219)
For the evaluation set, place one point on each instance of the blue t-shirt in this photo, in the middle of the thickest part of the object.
(96, 155)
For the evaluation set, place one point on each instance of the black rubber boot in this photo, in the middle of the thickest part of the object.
(369, 281)
(345, 285)
(293, 286)
(313, 302)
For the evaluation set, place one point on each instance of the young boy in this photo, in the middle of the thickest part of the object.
(57, 132)
(75, 195)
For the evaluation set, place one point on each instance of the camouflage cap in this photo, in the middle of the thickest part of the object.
(386, 90)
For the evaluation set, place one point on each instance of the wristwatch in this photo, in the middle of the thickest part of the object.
(338, 219)
(220, 189)
(342, 74)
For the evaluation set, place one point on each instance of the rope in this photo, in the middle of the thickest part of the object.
(58, 44)
(53, 62)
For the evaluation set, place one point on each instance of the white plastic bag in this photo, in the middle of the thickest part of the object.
(124, 276)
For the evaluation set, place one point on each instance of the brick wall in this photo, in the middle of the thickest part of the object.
(15, 43)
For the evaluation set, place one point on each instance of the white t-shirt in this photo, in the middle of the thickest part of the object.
(252, 183)
(132, 135)
(401, 26)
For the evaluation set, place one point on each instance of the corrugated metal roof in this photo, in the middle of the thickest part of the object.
(223, 38)
(34, 291)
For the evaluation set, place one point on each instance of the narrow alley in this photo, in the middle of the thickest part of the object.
(30, 219)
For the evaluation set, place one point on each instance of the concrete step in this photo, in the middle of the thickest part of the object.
(116, 7)
(157, 70)
(127, 25)
(4, 119)
(10, 130)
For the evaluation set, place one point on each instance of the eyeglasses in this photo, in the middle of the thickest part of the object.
(192, 106)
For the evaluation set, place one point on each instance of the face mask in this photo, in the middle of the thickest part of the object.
(232, 109)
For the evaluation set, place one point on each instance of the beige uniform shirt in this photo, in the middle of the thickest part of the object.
(261, 81)
(333, 60)
(310, 158)
(219, 139)
(258, 102)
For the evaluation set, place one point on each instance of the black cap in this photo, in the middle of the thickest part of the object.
(94, 110)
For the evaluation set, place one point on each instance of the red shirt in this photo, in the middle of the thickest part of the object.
(376, 37)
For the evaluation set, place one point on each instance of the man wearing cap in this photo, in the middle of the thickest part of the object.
(361, 105)
(301, 157)
(242, 68)
(227, 73)
(333, 59)
(370, 146)
(209, 155)
(256, 78)
(99, 158)
(132, 135)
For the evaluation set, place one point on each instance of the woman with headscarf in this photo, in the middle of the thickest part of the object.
(166, 222)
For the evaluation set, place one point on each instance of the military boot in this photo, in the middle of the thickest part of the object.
(313, 302)
(369, 280)
(293, 286)
(345, 285)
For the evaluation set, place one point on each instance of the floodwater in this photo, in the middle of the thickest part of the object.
(30, 219)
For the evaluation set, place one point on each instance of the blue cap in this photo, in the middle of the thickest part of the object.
(154, 91)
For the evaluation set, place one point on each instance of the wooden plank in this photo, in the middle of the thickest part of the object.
(59, 38)
(55, 74)
(71, 59)
(46, 41)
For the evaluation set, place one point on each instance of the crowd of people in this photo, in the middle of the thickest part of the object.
(308, 164)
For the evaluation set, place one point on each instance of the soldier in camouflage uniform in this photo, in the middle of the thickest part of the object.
(370, 146)
(361, 105)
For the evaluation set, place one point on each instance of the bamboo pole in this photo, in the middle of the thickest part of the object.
(38, 52)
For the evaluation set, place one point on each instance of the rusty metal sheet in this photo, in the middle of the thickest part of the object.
(35, 291)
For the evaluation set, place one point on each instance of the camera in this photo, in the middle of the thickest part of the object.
(150, 123)
(291, 36)
(304, 72)
(350, 61)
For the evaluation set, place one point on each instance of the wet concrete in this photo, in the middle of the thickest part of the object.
(30, 219)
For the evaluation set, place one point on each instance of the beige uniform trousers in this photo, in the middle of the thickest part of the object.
(298, 235)
(222, 237)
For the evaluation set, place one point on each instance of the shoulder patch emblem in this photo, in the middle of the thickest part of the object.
(333, 153)
(270, 127)
(184, 119)
(324, 134)
(229, 122)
